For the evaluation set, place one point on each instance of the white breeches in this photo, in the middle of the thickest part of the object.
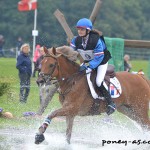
(101, 71)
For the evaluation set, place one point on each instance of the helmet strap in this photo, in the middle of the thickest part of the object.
(87, 32)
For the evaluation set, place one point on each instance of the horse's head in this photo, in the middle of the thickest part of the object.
(49, 66)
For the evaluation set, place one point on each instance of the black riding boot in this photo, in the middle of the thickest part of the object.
(110, 104)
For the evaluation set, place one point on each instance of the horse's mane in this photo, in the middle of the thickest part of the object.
(68, 53)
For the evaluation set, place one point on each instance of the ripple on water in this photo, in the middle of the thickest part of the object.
(89, 133)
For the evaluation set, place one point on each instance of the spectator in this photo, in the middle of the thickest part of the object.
(25, 70)
(18, 45)
(35, 57)
(127, 65)
(2, 42)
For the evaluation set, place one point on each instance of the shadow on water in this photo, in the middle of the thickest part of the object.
(89, 133)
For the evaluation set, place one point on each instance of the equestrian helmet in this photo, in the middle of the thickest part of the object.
(84, 23)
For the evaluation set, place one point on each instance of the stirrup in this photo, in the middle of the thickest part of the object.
(111, 109)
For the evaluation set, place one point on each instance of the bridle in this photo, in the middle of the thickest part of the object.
(48, 76)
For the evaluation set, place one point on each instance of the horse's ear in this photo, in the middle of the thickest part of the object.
(54, 50)
(45, 50)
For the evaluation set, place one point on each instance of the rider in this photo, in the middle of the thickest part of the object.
(93, 50)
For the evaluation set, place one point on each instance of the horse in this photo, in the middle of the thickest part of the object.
(75, 96)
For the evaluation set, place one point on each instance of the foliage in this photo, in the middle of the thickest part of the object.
(120, 19)
(5, 84)
(3, 88)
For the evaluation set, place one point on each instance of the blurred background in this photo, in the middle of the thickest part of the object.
(116, 19)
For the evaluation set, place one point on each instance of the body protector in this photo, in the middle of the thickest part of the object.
(87, 52)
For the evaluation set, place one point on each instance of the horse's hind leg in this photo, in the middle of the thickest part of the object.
(69, 121)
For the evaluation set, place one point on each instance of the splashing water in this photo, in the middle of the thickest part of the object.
(89, 133)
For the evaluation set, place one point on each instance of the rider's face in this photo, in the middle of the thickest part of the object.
(81, 31)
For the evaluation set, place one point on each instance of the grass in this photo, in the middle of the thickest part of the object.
(140, 64)
(10, 101)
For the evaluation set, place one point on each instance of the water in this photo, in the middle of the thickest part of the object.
(89, 133)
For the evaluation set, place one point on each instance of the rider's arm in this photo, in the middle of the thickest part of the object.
(72, 44)
(98, 54)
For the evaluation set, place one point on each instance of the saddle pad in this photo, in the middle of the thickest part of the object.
(115, 88)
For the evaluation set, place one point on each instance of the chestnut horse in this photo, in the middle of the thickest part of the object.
(75, 96)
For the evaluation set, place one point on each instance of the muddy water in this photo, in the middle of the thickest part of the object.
(89, 133)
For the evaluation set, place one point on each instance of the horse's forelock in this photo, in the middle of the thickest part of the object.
(68, 52)
(50, 52)
(64, 50)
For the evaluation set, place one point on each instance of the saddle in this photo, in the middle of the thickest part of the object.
(110, 73)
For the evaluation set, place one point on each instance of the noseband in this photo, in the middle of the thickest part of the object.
(48, 76)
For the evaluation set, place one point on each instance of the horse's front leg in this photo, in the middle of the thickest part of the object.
(65, 111)
(69, 122)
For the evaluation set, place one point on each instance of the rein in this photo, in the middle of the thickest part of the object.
(68, 79)
(48, 77)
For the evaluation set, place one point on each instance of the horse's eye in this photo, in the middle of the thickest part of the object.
(51, 65)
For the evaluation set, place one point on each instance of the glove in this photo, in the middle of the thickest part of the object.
(83, 67)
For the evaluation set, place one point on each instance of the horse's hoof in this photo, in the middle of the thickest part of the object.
(68, 141)
(39, 138)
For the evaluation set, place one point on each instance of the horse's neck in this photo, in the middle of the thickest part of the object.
(66, 67)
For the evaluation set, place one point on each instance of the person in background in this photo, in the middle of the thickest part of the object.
(24, 67)
(18, 45)
(127, 65)
(2, 42)
(35, 57)
(39, 59)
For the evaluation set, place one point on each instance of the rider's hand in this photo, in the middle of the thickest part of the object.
(83, 67)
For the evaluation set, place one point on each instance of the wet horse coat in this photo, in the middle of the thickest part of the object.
(75, 96)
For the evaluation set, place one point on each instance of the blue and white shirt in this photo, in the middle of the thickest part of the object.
(98, 51)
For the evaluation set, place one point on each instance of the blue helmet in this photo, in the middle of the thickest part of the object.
(84, 23)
